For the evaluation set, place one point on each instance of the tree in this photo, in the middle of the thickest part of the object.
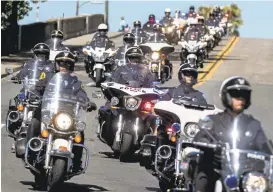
(13, 11)
(234, 16)
(36, 4)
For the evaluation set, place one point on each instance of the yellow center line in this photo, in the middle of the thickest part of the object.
(214, 64)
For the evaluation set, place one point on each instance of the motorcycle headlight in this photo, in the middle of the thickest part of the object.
(170, 29)
(63, 121)
(254, 182)
(191, 129)
(155, 55)
(132, 103)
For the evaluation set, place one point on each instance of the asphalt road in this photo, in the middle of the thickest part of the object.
(108, 174)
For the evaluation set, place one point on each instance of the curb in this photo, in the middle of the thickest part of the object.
(15, 69)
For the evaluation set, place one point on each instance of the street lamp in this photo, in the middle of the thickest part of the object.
(106, 9)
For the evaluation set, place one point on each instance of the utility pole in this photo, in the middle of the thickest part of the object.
(106, 12)
(77, 7)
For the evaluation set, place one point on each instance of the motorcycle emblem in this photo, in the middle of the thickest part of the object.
(241, 81)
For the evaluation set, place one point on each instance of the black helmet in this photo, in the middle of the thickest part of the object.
(57, 34)
(137, 24)
(129, 38)
(187, 68)
(151, 16)
(41, 49)
(66, 60)
(191, 7)
(157, 27)
(134, 53)
(235, 86)
(212, 14)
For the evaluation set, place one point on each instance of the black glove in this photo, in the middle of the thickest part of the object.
(91, 107)
(14, 80)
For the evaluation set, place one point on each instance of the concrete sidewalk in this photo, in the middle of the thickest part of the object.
(16, 61)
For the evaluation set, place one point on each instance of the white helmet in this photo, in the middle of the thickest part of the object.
(102, 27)
(168, 10)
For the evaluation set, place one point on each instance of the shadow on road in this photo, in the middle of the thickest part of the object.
(132, 159)
(153, 189)
(71, 187)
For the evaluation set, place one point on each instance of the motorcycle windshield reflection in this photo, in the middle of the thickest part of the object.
(243, 166)
(55, 44)
(64, 104)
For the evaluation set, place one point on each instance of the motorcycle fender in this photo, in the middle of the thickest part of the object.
(99, 66)
(56, 151)
(149, 140)
(191, 56)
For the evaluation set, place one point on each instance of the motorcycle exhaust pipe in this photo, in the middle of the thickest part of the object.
(164, 151)
(35, 144)
(13, 116)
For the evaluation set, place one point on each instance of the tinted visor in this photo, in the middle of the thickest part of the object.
(194, 74)
(240, 94)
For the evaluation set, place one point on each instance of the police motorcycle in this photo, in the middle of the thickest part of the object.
(216, 32)
(50, 155)
(170, 31)
(131, 106)
(102, 56)
(192, 51)
(21, 111)
(240, 168)
(176, 119)
(156, 53)
(56, 47)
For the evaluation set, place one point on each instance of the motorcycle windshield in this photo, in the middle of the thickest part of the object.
(55, 44)
(192, 36)
(155, 38)
(243, 166)
(100, 43)
(36, 77)
(64, 103)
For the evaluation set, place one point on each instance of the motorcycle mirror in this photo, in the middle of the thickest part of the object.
(9, 70)
(97, 94)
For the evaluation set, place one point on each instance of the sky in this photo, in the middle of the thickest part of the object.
(257, 15)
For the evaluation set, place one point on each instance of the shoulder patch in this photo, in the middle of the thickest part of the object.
(42, 76)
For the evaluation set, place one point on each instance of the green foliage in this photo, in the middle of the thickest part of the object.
(23, 7)
(234, 16)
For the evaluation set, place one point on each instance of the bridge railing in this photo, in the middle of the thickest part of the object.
(24, 37)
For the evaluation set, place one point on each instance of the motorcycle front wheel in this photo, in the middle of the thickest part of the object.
(126, 147)
(98, 77)
(55, 175)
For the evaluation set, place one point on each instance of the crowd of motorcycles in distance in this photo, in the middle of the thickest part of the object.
(138, 122)
(195, 48)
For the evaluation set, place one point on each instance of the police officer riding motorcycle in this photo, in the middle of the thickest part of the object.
(128, 41)
(34, 76)
(66, 61)
(235, 93)
(56, 40)
(139, 34)
(167, 18)
(99, 40)
(148, 26)
(191, 11)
